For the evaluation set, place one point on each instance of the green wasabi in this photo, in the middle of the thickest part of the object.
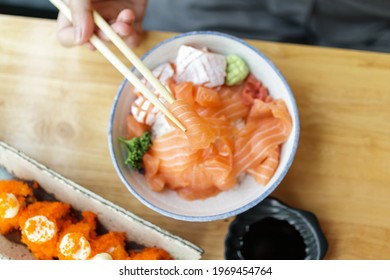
(236, 70)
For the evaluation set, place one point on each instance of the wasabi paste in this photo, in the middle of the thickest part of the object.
(236, 70)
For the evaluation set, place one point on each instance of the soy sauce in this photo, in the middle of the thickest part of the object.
(272, 239)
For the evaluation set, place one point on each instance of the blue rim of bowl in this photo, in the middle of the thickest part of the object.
(238, 210)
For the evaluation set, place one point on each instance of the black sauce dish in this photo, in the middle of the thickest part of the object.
(273, 230)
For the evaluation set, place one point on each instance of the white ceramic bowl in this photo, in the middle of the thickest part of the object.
(229, 203)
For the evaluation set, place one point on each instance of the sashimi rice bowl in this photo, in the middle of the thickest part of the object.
(242, 129)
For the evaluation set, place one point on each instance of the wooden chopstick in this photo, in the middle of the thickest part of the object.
(122, 68)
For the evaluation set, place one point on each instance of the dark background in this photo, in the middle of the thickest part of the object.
(351, 24)
(32, 8)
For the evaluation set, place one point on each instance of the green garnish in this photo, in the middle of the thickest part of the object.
(236, 70)
(136, 148)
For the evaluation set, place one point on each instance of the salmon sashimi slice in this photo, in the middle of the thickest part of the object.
(196, 194)
(264, 172)
(168, 161)
(174, 152)
(207, 97)
(218, 161)
(199, 133)
(151, 165)
(221, 126)
(231, 106)
(193, 183)
(196, 177)
(275, 109)
(200, 67)
(135, 128)
(254, 147)
(179, 166)
(223, 102)
(261, 134)
(185, 92)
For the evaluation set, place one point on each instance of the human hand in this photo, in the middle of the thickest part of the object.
(124, 16)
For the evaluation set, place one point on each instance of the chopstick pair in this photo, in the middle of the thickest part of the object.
(121, 67)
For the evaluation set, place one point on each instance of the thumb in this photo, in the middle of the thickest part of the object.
(83, 24)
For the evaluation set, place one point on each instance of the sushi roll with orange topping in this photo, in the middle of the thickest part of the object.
(54, 230)
(150, 253)
(74, 242)
(110, 246)
(13, 197)
(40, 224)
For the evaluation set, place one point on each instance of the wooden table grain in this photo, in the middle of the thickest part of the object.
(55, 105)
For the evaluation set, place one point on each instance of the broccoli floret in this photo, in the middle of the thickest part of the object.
(145, 141)
(136, 148)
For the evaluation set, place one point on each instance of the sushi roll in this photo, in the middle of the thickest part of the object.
(74, 242)
(14, 196)
(40, 224)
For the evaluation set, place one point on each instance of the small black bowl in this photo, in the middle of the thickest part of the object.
(272, 230)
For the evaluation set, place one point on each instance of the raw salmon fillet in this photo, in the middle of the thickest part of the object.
(199, 132)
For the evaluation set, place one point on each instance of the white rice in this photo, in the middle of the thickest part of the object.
(239, 124)
(161, 126)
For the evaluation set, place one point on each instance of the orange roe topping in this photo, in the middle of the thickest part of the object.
(44, 224)
(150, 253)
(57, 213)
(75, 238)
(21, 192)
(112, 243)
(15, 187)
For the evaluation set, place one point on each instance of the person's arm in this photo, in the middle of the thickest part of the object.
(125, 17)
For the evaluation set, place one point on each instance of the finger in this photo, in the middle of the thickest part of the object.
(127, 27)
(134, 38)
(133, 41)
(126, 16)
(122, 29)
(76, 33)
(123, 25)
(82, 25)
(65, 32)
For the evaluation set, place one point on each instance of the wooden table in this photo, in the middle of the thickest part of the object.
(55, 105)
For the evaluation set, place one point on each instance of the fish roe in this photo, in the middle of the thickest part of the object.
(40, 224)
(53, 230)
(13, 196)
